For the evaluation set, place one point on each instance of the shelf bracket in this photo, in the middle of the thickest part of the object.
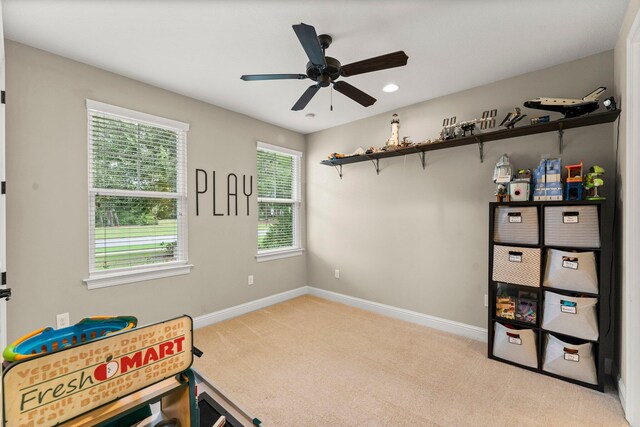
(560, 135)
(339, 169)
(423, 159)
(481, 149)
(376, 164)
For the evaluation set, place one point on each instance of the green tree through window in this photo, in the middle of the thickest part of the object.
(278, 198)
(137, 192)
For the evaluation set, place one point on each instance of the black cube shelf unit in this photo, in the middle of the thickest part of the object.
(602, 346)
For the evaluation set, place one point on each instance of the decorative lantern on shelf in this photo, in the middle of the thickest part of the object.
(394, 141)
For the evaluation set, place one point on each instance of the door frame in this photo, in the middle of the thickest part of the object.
(3, 197)
(631, 210)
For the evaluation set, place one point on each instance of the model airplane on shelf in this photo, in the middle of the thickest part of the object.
(568, 107)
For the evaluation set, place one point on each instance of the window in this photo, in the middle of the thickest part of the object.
(278, 202)
(137, 196)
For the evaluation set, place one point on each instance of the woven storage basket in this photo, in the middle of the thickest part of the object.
(569, 360)
(515, 345)
(518, 225)
(572, 316)
(572, 226)
(512, 264)
(572, 271)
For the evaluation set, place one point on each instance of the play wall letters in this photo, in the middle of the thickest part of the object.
(232, 191)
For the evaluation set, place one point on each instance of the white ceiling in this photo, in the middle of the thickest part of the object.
(200, 48)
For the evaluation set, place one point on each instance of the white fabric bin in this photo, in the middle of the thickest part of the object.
(569, 360)
(512, 264)
(572, 316)
(518, 225)
(572, 271)
(572, 226)
(515, 345)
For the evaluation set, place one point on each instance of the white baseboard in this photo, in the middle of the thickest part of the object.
(457, 328)
(622, 394)
(238, 310)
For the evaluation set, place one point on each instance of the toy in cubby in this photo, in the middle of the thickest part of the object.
(593, 180)
(574, 187)
(502, 178)
(519, 187)
(514, 304)
(527, 310)
(548, 180)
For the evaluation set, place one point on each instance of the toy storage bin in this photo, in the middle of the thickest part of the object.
(527, 310)
(506, 307)
(514, 303)
(574, 226)
(573, 361)
(516, 225)
(570, 315)
(515, 345)
(516, 265)
(572, 271)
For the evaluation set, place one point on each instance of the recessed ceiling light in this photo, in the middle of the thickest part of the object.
(309, 115)
(390, 88)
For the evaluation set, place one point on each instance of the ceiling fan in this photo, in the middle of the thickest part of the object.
(325, 70)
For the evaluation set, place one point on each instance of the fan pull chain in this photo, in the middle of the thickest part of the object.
(331, 98)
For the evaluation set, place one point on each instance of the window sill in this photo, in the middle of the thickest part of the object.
(270, 256)
(106, 279)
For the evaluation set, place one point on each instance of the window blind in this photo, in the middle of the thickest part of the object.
(278, 198)
(137, 192)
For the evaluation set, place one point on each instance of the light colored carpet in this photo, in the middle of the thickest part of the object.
(313, 362)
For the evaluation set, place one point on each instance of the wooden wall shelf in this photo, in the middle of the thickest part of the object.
(555, 126)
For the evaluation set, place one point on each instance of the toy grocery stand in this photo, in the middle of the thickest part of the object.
(107, 381)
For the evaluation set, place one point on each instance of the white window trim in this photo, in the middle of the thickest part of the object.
(103, 279)
(296, 249)
(278, 149)
(278, 254)
(114, 278)
(126, 114)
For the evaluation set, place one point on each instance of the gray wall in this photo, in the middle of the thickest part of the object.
(418, 239)
(621, 94)
(409, 238)
(47, 219)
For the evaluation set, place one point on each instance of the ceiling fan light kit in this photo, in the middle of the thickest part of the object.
(326, 71)
(391, 87)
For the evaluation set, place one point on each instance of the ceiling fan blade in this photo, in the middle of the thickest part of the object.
(309, 41)
(382, 62)
(252, 77)
(305, 98)
(354, 93)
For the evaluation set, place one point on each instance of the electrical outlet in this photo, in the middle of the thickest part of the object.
(337, 274)
(250, 279)
(486, 300)
(62, 320)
